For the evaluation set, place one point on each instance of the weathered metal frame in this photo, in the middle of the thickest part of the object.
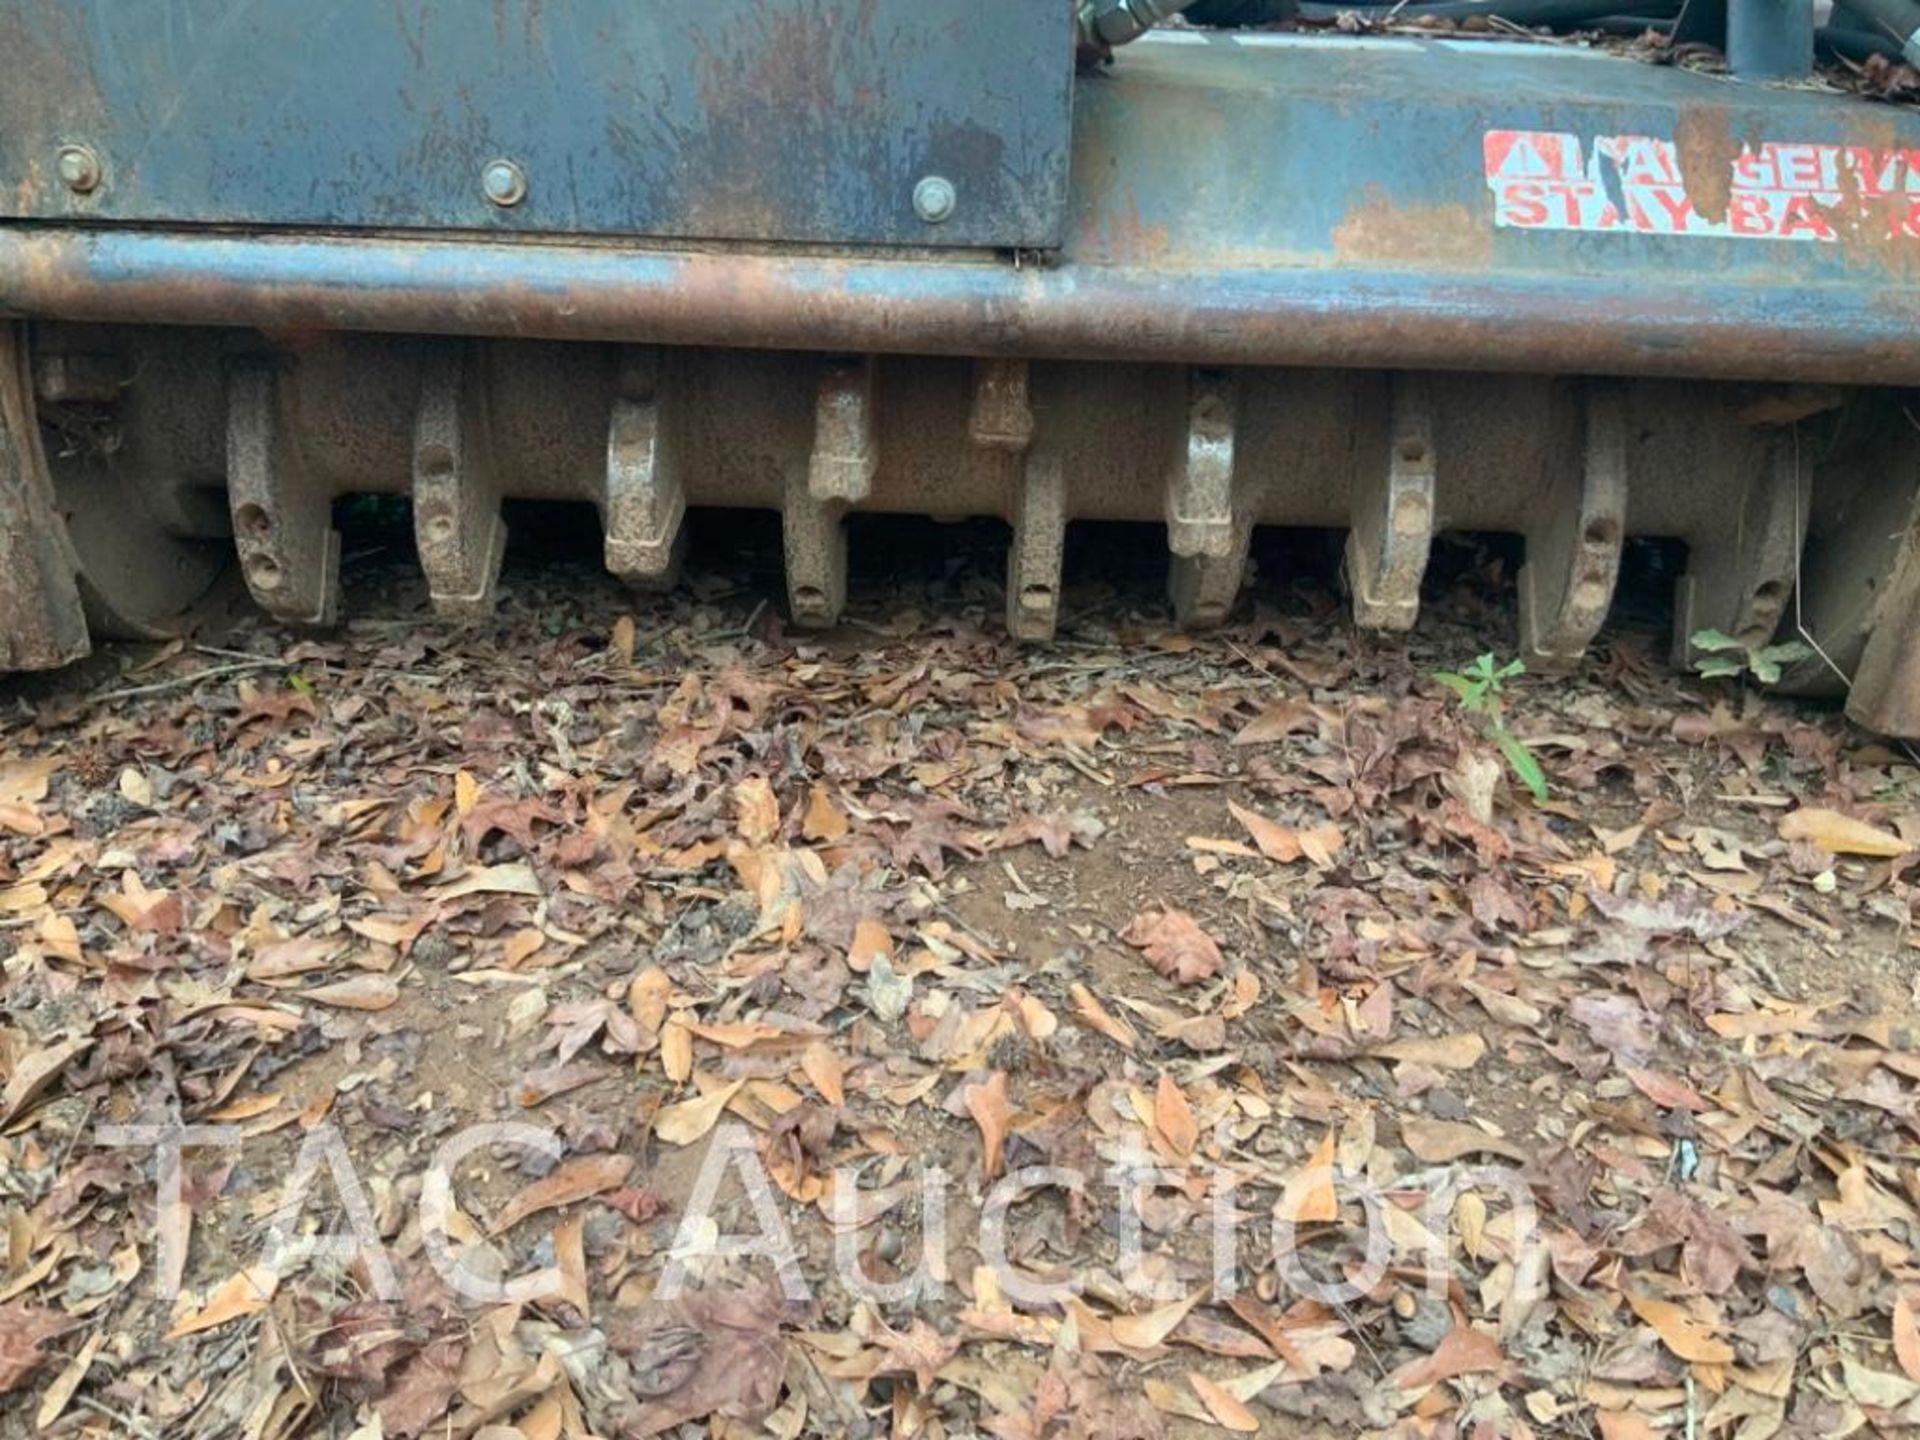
(798, 121)
(1232, 331)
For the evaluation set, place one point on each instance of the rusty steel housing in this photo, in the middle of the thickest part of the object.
(1391, 285)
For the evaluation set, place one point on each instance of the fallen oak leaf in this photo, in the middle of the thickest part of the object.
(573, 1182)
(285, 959)
(1461, 1051)
(24, 1330)
(1094, 1015)
(1666, 1091)
(513, 879)
(1679, 1331)
(1906, 1337)
(1463, 1351)
(1173, 1117)
(1880, 1389)
(1175, 945)
(1277, 842)
(756, 811)
(1230, 1413)
(870, 942)
(987, 1104)
(825, 1071)
(1310, 1197)
(362, 992)
(689, 1120)
(246, 1293)
(1839, 834)
(824, 820)
(1438, 1142)
(1624, 1425)
(54, 1403)
(1144, 1332)
(37, 1069)
(1277, 720)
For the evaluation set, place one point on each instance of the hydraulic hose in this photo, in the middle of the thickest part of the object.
(1107, 23)
(1560, 13)
(1897, 21)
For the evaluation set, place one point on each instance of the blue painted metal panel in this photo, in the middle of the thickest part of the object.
(1369, 155)
(1318, 200)
(750, 120)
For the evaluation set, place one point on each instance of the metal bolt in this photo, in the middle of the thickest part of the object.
(504, 183)
(934, 198)
(79, 169)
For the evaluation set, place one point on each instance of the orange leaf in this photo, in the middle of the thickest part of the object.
(1173, 1117)
(1310, 1198)
(1462, 1351)
(1143, 1332)
(987, 1104)
(1230, 1412)
(1097, 1017)
(824, 820)
(1906, 1337)
(826, 1071)
(1460, 1051)
(247, 1293)
(573, 1182)
(1685, 1336)
(756, 813)
(1319, 844)
(870, 942)
(1839, 834)
(362, 992)
(1175, 945)
(688, 1121)
(1623, 1425)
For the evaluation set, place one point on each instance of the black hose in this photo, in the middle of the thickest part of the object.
(1855, 45)
(1559, 13)
(1895, 20)
(1240, 14)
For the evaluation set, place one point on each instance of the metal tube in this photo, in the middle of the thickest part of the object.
(1567, 324)
(1770, 39)
(1107, 23)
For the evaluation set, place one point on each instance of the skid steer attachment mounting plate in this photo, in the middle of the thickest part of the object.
(695, 119)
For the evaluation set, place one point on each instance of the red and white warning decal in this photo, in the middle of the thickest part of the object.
(1544, 180)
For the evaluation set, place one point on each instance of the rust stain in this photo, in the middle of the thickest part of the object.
(1705, 149)
(1130, 240)
(1377, 230)
(1875, 221)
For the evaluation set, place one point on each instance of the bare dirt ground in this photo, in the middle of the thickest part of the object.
(832, 938)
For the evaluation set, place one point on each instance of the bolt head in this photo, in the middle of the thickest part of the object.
(504, 183)
(934, 198)
(79, 169)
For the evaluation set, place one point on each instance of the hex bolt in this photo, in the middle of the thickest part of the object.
(934, 198)
(504, 183)
(79, 168)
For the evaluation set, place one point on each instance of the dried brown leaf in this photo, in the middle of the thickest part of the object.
(1839, 834)
(1144, 1332)
(1173, 1117)
(24, 1330)
(988, 1105)
(361, 992)
(1175, 945)
(1678, 1329)
(1460, 1051)
(573, 1182)
(1230, 1413)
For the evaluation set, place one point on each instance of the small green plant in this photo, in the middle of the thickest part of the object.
(1480, 692)
(1725, 656)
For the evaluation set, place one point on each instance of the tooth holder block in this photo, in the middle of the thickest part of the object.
(1386, 285)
